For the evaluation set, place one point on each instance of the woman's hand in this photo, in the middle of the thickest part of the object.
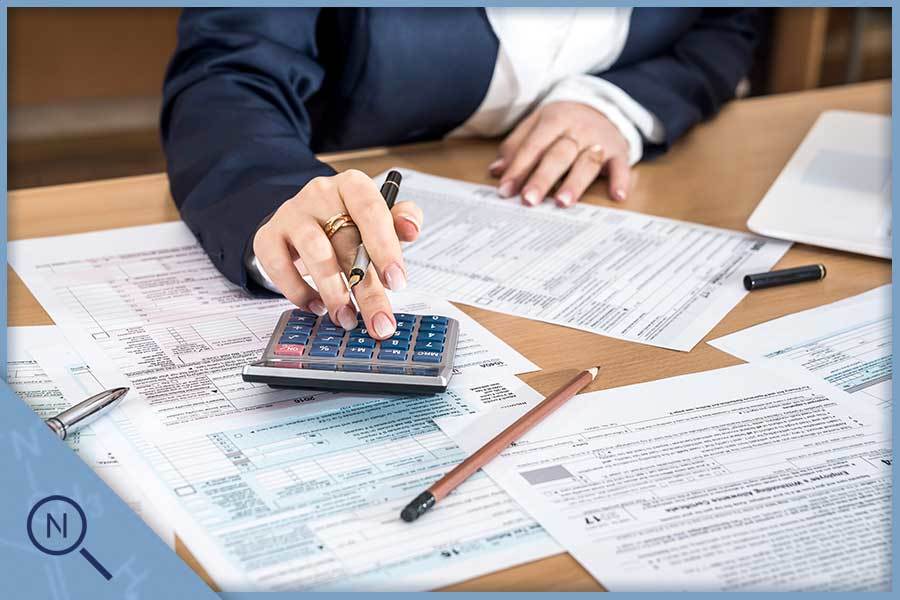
(293, 242)
(565, 143)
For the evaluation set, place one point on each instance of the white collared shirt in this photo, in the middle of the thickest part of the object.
(546, 55)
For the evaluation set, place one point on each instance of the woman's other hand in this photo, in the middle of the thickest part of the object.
(565, 145)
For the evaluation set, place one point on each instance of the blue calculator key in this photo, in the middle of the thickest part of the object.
(430, 336)
(401, 344)
(328, 339)
(429, 346)
(298, 328)
(294, 338)
(438, 327)
(400, 334)
(405, 325)
(358, 352)
(434, 319)
(310, 321)
(331, 329)
(392, 354)
(329, 350)
(429, 357)
(297, 313)
(360, 332)
(361, 342)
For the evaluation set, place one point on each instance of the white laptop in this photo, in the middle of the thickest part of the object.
(836, 189)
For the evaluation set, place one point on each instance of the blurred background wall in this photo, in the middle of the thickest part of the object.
(84, 83)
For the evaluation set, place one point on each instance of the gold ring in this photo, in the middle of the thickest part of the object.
(336, 223)
(596, 153)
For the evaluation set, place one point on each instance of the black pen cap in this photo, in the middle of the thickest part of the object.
(758, 281)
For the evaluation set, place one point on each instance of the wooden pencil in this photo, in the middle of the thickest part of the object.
(449, 482)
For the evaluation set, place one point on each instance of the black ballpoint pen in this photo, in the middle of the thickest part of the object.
(389, 190)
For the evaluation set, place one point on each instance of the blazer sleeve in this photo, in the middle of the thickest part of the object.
(234, 127)
(695, 76)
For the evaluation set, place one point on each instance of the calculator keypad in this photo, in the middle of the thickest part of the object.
(417, 340)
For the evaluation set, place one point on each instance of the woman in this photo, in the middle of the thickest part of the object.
(252, 94)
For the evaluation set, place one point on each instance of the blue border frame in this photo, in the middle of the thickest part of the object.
(21, 430)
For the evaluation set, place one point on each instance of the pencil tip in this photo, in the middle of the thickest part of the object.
(593, 371)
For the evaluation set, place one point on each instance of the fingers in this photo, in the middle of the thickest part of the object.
(527, 156)
(582, 174)
(376, 226)
(511, 144)
(554, 164)
(408, 220)
(619, 177)
(374, 306)
(274, 253)
(319, 256)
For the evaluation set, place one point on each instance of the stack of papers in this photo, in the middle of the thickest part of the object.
(742, 478)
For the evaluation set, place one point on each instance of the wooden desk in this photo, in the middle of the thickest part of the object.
(715, 176)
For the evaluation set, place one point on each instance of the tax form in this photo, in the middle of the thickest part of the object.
(36, 388)
(735, 479)
(312, 501)
(845, 343)
(149, 300)
(614, 272)
(273, 489)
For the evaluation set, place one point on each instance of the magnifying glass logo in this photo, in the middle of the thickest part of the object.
(57, 526)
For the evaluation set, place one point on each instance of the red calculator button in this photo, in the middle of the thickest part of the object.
(289, 349)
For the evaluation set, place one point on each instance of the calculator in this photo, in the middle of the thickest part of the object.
(309, 351)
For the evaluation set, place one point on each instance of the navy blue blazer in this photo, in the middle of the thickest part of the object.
(252, 94)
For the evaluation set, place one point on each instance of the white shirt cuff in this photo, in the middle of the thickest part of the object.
(631, 119)
(259, 275)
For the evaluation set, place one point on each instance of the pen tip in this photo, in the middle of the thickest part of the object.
(593, 371)
(353, 280)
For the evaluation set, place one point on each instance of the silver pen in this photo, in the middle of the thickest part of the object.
(389, 190)
(84, 412)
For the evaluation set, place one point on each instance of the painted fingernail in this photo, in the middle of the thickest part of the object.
(395, 277)
(347, 317)
(530, 197)
(409, 219)
(383, 326)
(505, 189)
(619, 194)
(318, 307)
(564, 199)
(497, 164)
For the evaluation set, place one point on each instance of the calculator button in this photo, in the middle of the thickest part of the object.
(302, 320)
(405, 325)
(298, 328)
(294, 338)
(392, 354)
(429, 346)
(360, 332)
(298, 314)
(429, 357)
(401, 335)
(331, 330)
(430, 336)
(358, 352)
(437, 327)
(289, 349)
(400, 344)
(434, 319)
(328, 339)
(329, 350)
(361, 342)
